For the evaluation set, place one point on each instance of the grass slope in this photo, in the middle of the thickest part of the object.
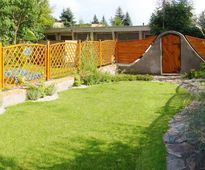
(106, 127)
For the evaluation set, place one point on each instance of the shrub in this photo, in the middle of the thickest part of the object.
(77, 80)
(98, 77)
(37, 91)
(50, 90)
(130, 77)
(33, 94)
(196, 73)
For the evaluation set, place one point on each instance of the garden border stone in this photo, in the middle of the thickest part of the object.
(181, 154)
(17, 96)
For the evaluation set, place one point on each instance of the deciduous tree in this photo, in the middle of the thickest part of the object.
(175, 15)
(20, 18)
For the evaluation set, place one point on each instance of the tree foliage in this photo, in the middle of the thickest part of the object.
(120, 19)
(201, 21)
(103, 21)
(95, 20)
(127, 20)
(175, 15)
(67, 17)
(119, 13)
(20, 18)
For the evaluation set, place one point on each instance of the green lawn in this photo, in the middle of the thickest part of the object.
(115, 126)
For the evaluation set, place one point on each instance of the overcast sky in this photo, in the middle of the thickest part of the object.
(139, 10)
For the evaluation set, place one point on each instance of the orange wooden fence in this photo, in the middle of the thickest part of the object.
(129, 51)
(33, 62)
(198, 44)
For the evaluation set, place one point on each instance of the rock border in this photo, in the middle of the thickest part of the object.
(181, 154)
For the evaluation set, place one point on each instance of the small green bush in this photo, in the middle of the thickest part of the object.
(96, 78)
(50, 90)
(196, 73)
(36, 91)
(33, 94)
(77, 81)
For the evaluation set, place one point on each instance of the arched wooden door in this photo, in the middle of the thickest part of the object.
(171, 53)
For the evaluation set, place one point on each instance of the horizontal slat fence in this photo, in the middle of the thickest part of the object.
(34, 62)
(131, 50)
(198, 44)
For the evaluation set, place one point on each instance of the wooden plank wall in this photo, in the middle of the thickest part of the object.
(198, 44)
(131, 50)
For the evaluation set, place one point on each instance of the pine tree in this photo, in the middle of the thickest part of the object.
(103, 21)
(119, 13)
(95, 20)
(119, 17)
(127, 20)
(67, 17)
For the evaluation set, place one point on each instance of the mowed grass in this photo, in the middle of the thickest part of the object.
(115, 126)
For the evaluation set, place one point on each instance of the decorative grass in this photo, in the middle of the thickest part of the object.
(115, 126)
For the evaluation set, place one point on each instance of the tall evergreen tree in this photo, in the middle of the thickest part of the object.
(67, 17)
(95, 20)
(119, 13)
(127, 20)
(103, 21)
(119, 18)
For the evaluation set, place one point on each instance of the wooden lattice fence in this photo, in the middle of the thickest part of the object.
(34, 62)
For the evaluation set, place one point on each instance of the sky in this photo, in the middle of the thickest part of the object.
(139, 10)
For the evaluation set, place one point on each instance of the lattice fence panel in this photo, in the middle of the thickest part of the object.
(25, 61)
(63, 59)
(108, 51)
(91, 50)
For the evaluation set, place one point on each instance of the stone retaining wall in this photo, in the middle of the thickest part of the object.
(17, 96)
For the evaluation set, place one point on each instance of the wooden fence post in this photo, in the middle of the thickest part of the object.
(1, 66)
(116, 52)
(113, 58)
(48, 62)
(79, 55)
(100, 44)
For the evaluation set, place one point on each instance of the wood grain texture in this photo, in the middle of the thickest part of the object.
(131, 50)
(198, 45)
(171, 53)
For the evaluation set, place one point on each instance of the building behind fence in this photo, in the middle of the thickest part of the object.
(34, 62)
